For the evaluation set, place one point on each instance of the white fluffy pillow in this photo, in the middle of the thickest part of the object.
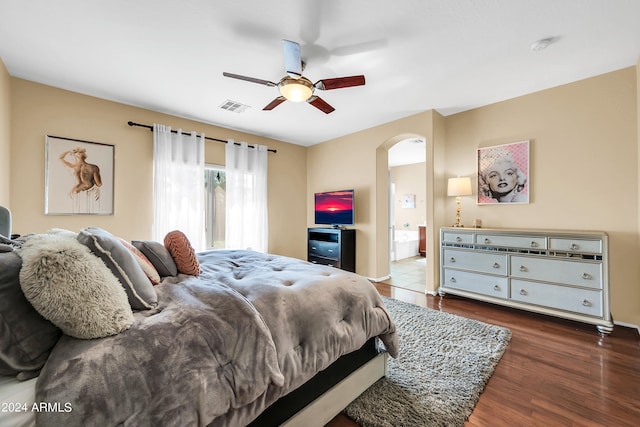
(73, 288)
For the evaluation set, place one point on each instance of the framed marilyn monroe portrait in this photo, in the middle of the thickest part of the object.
(503, 173)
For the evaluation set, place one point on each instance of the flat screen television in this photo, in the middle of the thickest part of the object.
(334, 208)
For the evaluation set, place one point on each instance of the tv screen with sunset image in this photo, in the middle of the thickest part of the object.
(334, 207)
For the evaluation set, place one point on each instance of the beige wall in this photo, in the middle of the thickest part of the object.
(584, 168)
(584, 173)
(409, 179)
(5, 135)
(360, 161)
(38, 110)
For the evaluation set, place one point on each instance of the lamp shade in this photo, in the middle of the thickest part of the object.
(459, 186)
(296, 90)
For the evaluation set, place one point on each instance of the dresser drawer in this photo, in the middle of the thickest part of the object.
(494, 263)
(324, 249)
(576, 245)
(332, 262)
(579, 273)
(484, 284)
(451, 237)
(584, 301)
(524, 242)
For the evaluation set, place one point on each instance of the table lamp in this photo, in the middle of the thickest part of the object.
(457, 187)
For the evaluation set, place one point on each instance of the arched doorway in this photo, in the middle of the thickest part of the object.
(407, 213)
(382, 209)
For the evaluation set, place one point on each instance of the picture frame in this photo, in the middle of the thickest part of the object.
(409, 201)
(503, 174)
(78, 177)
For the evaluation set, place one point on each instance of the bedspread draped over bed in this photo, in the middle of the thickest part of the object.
(219, 348)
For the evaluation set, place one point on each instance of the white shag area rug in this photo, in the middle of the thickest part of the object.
(445, 361)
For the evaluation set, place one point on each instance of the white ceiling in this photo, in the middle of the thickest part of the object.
(408, 151)
(416, 55)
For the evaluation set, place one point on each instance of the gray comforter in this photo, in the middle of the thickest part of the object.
(219, 348)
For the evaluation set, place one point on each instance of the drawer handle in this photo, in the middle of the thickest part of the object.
(330, 251)
(533, 244)
(452, 259)
(496, 288)
(496, 265)
(523, 268)
(458, 239)
(586, 303)
(487, 241)
(574, 247)
(452, 280)
(586, 276)
(523, 292)
(313, 248)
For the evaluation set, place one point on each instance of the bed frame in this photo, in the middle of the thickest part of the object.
(325, 395)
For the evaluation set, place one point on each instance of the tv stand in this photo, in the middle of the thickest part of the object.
(332, 246)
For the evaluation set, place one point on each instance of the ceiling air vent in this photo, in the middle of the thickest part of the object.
(234, 106)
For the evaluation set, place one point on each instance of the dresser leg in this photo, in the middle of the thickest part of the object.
(604, 330)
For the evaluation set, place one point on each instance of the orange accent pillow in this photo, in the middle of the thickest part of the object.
(182, 253)
(148, 268)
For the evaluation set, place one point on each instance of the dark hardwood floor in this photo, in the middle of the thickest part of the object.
(554, 372)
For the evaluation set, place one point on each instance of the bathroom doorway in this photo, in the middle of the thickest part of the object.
(407, 214)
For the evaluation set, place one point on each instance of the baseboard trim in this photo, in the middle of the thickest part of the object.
(628, 325)
(379, 279)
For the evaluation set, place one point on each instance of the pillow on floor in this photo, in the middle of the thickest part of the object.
(182, 253)
(72, 288)
(26, 338)
(159, 256)
(122, 263)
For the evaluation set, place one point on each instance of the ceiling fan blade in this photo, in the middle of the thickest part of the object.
(339, 82)
(273, 104)
(292, 58)
(249, 79)
(361, 47)
(320, 104)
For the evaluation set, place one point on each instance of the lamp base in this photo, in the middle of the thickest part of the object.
(458, 223)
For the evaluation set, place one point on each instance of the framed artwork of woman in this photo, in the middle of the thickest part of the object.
(503, 173)
(79, 177)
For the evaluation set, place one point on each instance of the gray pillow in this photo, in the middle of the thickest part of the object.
(72, 288)
(159, 256)
(122, 263)
(26, 338)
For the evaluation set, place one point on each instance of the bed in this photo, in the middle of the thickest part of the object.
(233, 338)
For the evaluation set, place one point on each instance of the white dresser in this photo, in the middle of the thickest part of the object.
(559, 273)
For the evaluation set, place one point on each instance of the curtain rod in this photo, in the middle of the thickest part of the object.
(206, 137)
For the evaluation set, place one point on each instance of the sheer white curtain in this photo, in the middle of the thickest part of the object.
(178, 184)
(246, 216)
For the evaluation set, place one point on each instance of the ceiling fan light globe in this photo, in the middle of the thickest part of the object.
(296, 90)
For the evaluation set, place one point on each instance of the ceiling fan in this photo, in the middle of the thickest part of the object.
(297, 88)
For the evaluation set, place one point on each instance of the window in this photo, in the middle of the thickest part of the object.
(215, 188)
